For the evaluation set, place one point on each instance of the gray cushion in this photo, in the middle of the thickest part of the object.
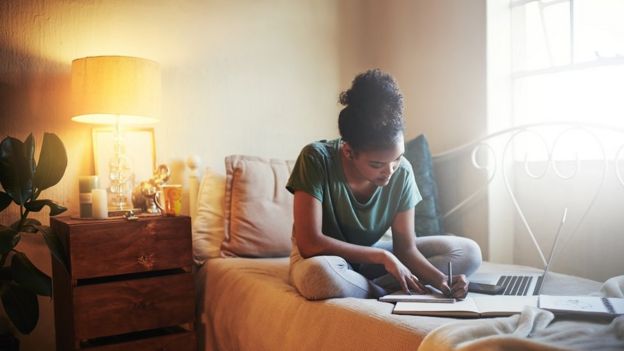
(428, 220)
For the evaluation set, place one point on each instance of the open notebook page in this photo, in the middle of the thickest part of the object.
(463, 308)
(489, 306)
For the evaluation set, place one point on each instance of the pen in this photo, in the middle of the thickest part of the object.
(450, 278)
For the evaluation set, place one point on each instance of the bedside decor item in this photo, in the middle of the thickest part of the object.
(85, 185)
(171, 203)
(144, 195)
(118, 91)
(100, 203)
(140, 152)
(129, 285)
(23, 180)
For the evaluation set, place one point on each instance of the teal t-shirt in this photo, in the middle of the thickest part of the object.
(318, 171)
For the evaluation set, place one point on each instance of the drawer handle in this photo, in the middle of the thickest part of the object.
(146, 261)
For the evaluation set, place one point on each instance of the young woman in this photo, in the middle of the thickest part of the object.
(349, 191)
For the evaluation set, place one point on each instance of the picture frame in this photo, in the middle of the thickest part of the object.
(140, 150)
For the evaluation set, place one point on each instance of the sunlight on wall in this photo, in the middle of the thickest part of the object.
(247, 77)
(227, 67)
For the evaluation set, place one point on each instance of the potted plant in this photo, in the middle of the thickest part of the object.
(22, 181)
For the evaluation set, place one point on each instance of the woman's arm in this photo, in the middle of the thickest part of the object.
(311, 241)
(404, 247)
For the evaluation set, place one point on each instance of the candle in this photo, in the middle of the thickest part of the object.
(85, 185)
(100, 203)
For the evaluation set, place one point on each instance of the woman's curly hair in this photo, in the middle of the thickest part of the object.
(373, 115)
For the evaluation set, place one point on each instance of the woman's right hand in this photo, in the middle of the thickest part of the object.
(408, 281)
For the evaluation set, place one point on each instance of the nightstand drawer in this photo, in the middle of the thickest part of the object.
(132, 305)
(114, 247)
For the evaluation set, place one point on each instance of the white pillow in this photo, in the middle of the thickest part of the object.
(258, 208)
(208, 224)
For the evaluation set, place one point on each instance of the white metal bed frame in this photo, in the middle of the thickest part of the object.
(499, 161)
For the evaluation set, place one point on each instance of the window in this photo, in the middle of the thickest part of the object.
(567, 61)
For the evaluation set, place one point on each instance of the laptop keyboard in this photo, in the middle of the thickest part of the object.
(517, 285)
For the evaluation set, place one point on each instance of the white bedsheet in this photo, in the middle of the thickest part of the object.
(533, 329)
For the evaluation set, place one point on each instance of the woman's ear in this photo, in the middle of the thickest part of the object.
(348, 151)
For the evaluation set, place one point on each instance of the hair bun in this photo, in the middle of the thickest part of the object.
(373, 88)
(373, 113)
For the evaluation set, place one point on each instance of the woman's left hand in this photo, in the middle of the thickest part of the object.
(458, 288)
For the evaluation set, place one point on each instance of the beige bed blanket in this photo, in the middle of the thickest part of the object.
(533, 329)
(247, 304)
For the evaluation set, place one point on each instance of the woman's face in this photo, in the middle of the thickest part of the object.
(377, 166)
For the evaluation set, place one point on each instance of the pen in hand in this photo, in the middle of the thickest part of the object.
(450, 279)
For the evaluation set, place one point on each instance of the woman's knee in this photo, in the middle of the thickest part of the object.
(440, 249)
(322, 277)
(471, 255)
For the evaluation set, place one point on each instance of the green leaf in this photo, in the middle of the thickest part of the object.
(28, 225)
(5, 200)
(52, 162)
(27, 275)
(21, 306)
(29, 152)
(9, 237)
(37, 205)
(54, 244)
(15, 171)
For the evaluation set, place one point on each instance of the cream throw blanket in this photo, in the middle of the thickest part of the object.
(532, 330)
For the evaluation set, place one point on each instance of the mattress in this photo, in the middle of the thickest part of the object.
(248, 304)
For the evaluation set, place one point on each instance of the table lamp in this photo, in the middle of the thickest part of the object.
(118, 91)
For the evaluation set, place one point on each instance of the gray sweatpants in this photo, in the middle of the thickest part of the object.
(323, 277)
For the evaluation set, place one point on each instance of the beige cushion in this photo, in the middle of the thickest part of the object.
(208, 224)
(258, 208)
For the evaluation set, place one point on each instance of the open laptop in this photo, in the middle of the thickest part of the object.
(521, 283)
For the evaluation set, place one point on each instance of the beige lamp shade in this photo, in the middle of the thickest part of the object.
(115, 89)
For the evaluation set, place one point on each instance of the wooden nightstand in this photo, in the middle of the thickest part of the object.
(129, 285)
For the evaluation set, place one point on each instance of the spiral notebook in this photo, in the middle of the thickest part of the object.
(585, 305)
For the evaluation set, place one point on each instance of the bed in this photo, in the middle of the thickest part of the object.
(241, 241)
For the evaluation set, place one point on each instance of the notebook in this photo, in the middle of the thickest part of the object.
(586, 305)
(435, 297)
(521, 284)
(471, 307)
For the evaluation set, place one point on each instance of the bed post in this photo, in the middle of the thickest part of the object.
(192, 162)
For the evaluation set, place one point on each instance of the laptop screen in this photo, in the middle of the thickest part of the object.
(553, 249)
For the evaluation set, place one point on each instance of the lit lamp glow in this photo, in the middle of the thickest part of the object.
(116, 90)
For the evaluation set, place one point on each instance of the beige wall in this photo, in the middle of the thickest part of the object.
(252, 77)
(436, 50)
